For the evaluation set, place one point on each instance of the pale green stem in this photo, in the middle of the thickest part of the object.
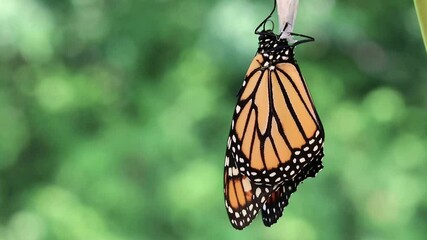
(421, 7)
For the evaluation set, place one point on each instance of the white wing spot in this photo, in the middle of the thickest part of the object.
(237, 109)
(257, 192)
(246, 185)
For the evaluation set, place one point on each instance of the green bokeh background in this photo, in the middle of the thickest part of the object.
(114, 117)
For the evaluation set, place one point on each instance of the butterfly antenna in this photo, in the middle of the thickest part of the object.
(262, 24)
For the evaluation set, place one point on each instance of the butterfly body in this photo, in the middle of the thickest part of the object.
(276, 136)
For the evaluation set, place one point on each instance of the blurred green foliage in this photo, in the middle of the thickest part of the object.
(114, 117)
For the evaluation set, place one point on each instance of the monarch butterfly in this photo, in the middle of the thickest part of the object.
(276, 137)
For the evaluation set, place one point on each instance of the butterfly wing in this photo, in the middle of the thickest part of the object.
(275, 130)
(243, 199)
(272, 209)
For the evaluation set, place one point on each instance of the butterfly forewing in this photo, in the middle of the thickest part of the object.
(275, 128)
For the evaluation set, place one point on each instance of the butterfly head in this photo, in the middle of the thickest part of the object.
(273, 48)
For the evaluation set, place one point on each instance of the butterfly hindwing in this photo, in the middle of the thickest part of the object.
(243, 199)
(273, 208)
